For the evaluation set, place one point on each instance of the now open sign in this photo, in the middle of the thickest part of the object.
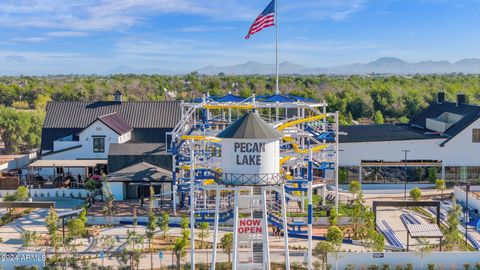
(249, 228)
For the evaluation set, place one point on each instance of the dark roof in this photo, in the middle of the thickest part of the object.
(137, 149)
(469, 112)
(62, 150)
(386, 132)
(116, 123)
(250, 126)
(138, 114)
(141, 172)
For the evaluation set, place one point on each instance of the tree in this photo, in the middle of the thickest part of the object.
(335, 237)
(415, 193)
(83, 216)
(451, 233)
(108, 198)
(204, 233)
(321, 251)
(184, 224)
(106, 242)
(179, 250)
(355, 187)
(377, 241)
(333, 218)
(378, 118)
(164, 219)
(52, 227)
(76, 228)
(440, 185)
(22, 193)
(91, 185)
(29, 238)
(227, 244)
(432, 174)
(20, 130)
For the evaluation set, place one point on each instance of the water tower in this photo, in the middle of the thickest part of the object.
(250, 164)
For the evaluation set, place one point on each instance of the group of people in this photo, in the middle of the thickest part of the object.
(277, 231)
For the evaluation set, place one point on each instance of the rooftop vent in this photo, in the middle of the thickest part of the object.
(440, 97)
(461, 99)
(117, 96)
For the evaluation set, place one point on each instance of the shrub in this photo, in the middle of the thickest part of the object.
(399, 267)
(385, 266)
(466, 266)
(373, 267)
(431, 266)
(477, 266)
(409, 266)
(350, 267)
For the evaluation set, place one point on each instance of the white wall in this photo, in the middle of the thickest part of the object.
(51, 192)
(459, 151)
(86, 140)
(353, 153)
(445, 259)
(118, 191)
(472, 200)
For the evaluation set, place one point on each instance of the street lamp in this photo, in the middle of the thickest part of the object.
(406, 177)
(467, 189)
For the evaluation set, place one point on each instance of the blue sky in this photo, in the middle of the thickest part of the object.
(98, 36)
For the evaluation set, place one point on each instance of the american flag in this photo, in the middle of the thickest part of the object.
(264, 20)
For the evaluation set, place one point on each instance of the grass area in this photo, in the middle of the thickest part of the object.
(343, 210)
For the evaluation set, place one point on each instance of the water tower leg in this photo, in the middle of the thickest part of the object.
(215, 226)
(266, 247)
(285, 228)
(235, 231)
(310, 212)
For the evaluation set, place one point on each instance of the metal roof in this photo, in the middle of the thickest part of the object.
(137, 149)
(116, 123)
(138, 114)
(469, 112)
(141, 172)
(385, 132)
(250, 126)
(45, 163)
(424, 230)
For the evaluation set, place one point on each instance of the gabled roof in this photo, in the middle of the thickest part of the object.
(250, 126)
(469, 112)
(115, 122)
(138, 114)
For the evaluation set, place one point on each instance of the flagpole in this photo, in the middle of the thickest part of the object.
(276, 48)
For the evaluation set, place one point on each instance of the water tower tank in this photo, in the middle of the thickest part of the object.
(250, 153)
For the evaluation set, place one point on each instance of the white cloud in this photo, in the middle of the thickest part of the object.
(205, 28)
(28, 39)
(66, 34)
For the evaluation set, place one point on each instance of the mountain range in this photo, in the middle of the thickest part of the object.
(384, 65)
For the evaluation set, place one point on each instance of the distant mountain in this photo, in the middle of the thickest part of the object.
(252, 67)
(123, 69)
(384, 65)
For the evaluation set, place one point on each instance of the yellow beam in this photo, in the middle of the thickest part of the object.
(200, 138)
(301, 121)
(228, 106)
(297, 148)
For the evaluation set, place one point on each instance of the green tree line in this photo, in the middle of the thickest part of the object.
(377, 98)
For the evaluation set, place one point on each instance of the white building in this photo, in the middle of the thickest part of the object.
(445, 136)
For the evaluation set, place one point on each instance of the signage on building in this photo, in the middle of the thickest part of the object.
(378, 255)
(249, 228)
(8, 260)
(248, 153)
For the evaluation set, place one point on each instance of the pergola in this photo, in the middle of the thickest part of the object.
(423, 231)
(435, 204)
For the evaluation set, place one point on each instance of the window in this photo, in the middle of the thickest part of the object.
(98, 144)
(476, 135)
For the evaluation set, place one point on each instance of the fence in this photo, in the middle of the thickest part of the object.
(52, 193)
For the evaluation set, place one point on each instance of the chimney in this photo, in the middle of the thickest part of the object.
(461, 99)
(440, 97)
(117, 96)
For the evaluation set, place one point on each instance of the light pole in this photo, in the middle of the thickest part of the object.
(406, 176)
(467, 189)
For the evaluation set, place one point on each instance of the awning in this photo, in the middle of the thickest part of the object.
(424, 230)
(141, 172)
(45, 163)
